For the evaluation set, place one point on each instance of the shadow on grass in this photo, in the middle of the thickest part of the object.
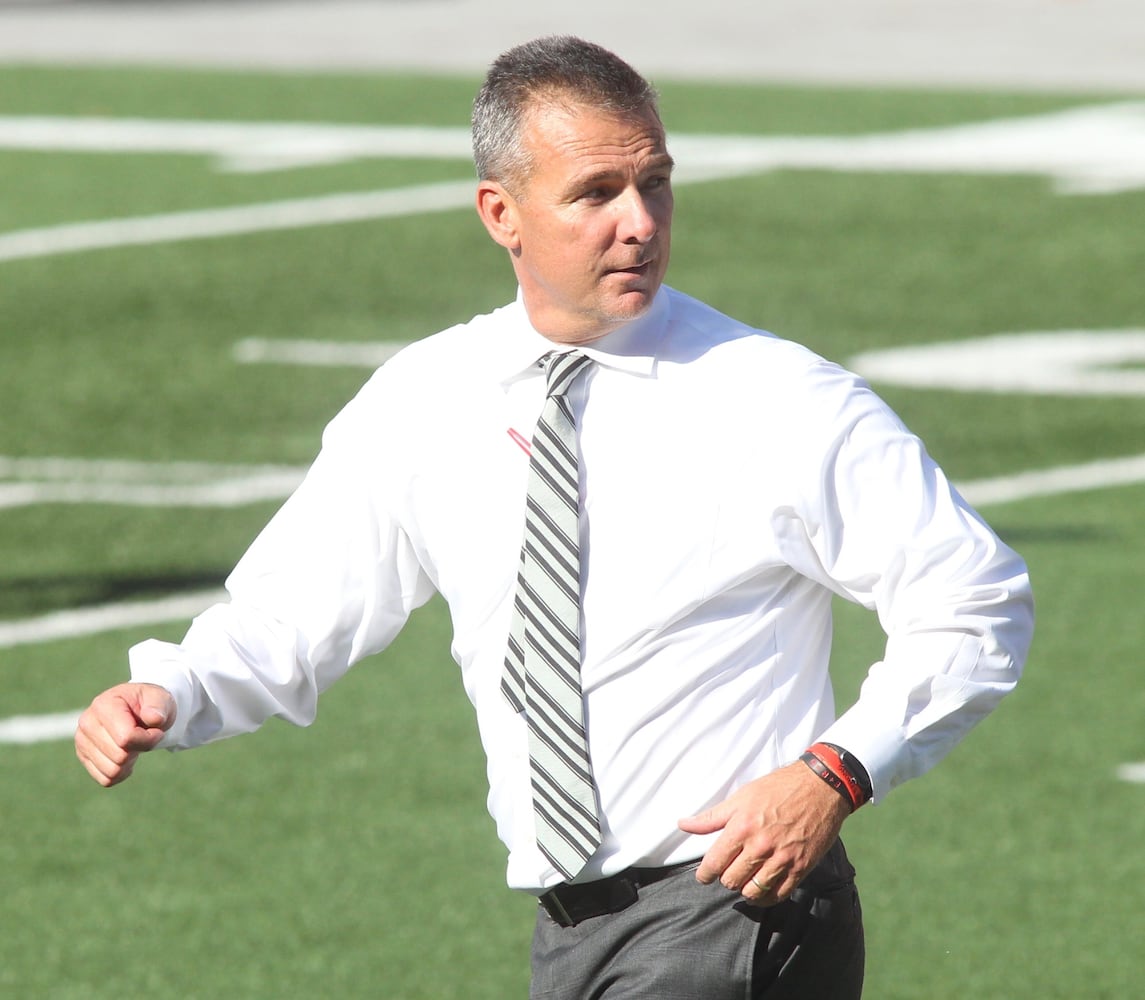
(29, 596)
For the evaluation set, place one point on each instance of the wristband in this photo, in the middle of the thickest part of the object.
(853, 770)
(841, 771)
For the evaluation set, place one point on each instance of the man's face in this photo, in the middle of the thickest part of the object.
(591, 221)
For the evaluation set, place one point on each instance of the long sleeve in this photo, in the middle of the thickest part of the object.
(331, 579)
(887, 530)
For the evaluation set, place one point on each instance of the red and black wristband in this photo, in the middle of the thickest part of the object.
(841, 770)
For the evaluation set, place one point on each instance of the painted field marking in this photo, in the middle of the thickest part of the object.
(82, 622)
(1133, 773)
(316, 353)
(28, 481)
(238, 147)
(1096, 149)
(148, 230)
(1038, 362)
(1098, 475)
(38, 728)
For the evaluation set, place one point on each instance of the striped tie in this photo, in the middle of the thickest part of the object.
(542, 665)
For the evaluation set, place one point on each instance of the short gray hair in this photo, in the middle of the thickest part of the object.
(556, 69)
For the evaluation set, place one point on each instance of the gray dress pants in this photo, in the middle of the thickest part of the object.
(685, 941)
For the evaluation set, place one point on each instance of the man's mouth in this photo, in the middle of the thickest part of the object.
(635, 269)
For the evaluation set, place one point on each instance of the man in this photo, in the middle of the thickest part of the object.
(649, 670)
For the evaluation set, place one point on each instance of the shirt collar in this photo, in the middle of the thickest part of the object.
(631, 348)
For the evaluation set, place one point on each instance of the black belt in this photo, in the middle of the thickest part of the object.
(570, 903)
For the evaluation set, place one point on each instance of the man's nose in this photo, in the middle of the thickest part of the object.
(637, 222)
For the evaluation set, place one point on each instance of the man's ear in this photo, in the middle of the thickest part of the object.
(498, 211)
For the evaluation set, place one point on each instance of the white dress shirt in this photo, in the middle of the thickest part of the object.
(732, 482)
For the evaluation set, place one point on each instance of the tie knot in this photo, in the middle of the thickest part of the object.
(562, 368)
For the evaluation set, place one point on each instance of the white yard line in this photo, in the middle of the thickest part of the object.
(1097, 475)
(1133, 773)
(28, 481)
(368, 354)
(1096, 149)
(82, 622)
(241, 146)
(332, 209)
(39, 728)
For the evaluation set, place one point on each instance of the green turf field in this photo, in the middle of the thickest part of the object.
(355, 859)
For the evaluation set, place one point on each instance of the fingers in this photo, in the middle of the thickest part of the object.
(719, 860)
(707, 822)
(155, 708)
(104, 748)
(106, 769)
(755, 872)
(763, 873)
(760, 891)
(730, 859)
(120, 724)
(771, 883)
(772, 830)
(719, 855)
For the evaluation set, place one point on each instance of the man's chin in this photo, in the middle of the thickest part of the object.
(632, 303)
(602, 317)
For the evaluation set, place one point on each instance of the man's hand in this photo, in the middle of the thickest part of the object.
(775, 830)
(118, 725)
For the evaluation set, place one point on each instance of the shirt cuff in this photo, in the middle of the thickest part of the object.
(155, 662)
(879, 751)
